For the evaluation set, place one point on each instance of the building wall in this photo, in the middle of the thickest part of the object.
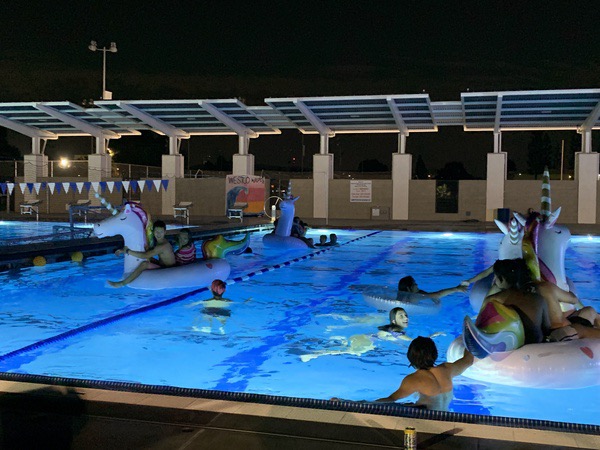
(208, 197)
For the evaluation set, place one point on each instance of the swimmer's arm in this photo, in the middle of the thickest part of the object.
(479, 276)
(443, 292)
(437, 333)
(566, 296)
(387, 336)
(462, 364)
(144, 255)
(409, 386)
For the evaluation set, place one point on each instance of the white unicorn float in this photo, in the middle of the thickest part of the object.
(281, 238)
(132, 224)
(555, 365)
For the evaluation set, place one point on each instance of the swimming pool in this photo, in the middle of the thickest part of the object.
(256, 344)
(25, 232)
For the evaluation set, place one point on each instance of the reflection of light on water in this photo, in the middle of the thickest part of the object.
(585, 239)
(447, 234)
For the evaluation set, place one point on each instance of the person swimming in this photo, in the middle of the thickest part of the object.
(407, 285)
(359, 344)
(216, 308)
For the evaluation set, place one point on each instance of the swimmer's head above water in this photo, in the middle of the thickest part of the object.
(399, 318)
(408, 284)
(422, 353)
(218, 288)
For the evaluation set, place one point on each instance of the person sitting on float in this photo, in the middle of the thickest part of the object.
(161, 255)
(518, 291)
(298, 230)
(433, 383)
(408, 285)
(186, 251)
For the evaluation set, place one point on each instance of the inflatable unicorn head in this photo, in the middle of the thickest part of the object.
(288, 210)
(550, 241)
(131, 223)
(510, 245)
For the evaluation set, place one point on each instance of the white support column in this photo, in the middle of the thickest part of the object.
(99, 165)
(35, 167)
(402, 143)
(243, 161)
(322, 173)
(172, 168)
(174, 145)
(324, 144)
(496, 178)
(401, 176)
(586, 141)
(497, 142)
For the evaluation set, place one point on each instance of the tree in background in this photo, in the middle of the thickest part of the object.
(8, 152)
(421, 171)
(454, 170)
(372, 165)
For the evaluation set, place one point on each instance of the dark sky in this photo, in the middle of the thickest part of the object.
(256, 49)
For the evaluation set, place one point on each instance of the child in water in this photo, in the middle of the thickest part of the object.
(216, 307)
(361, 343)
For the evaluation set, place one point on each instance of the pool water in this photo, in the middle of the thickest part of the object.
(263, 340)
(22, 232)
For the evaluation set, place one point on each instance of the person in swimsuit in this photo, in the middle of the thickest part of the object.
(159, 256)
(216, 308)
(518, 291)
(432, 383)
(359, 344)
(186, 251)
(409, 285)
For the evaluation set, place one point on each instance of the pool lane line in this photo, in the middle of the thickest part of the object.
(296, 260)
(167, 302)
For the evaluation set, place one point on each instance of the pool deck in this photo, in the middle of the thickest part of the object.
(48, 417)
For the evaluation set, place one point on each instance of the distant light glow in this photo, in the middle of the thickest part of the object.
(64, 163)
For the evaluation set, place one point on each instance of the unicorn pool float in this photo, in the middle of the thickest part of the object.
(281, 238)
(499, 332)
(133, 224)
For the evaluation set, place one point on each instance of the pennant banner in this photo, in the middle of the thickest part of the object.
(97, 186)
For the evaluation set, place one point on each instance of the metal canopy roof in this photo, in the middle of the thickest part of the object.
(358, 114)
(54, 119)
(476, 111)
(185, 117)
(531, 110)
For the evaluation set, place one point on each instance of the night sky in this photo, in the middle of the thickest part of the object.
(254, 49)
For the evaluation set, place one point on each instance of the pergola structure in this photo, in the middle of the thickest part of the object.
(327, 116)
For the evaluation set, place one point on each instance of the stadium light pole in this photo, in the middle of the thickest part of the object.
(106, 95)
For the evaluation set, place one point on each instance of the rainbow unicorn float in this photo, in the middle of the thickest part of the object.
(281, 238)
(133, 222)
(497, 337)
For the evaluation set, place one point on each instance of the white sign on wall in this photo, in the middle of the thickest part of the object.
(361, 191)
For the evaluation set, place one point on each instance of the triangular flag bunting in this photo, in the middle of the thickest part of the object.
(73, 186)
(51, 187)
(96, 186)
(87, 185)
(3, 187)
(23, 186)
(157, 185)
(165, 184)
(141, 185)
(79, 186)
(11, 187)
(134, 186)
(126, 186)
(66, 187)
(103, 186)
(149, 185)
(58, 187)
(37, 187)
(30, 187)
(118, 185)
(110, 185)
